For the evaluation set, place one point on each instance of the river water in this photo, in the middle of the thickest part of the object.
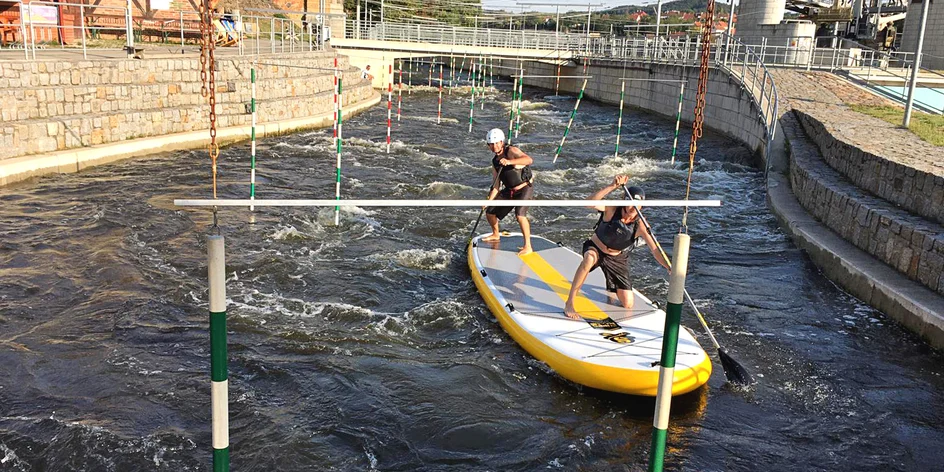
(365, 346)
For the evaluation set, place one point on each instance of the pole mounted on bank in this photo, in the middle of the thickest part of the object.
(925, 5)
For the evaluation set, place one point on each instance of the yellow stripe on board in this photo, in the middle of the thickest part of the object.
(561, 286)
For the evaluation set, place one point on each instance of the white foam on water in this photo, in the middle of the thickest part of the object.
(431, 119)
(435, 259)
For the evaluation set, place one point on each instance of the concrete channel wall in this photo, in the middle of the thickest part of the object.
(61, 116)
(730, 109)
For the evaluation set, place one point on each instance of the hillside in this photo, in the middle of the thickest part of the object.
(680, 5)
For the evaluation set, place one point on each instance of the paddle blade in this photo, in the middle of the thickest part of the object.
(735, 373)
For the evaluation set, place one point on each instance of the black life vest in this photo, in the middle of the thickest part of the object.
(615, 234)
(511, 177)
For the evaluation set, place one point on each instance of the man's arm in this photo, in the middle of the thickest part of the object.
(618, 182)
(516, 157)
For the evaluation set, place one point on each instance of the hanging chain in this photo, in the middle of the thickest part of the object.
(697, 130)
(208, 77)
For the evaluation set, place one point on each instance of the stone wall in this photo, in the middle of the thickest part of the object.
(908, 243)
(50, 106)
(730, 109)
(920, 192)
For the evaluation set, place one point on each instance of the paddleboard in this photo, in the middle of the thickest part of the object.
(612, 348)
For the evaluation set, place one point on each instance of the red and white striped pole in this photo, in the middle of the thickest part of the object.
(389, 103)
(400, 91)
(439, 112)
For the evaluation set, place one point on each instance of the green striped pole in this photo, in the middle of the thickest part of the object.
(337, 188)
(678, 121)
(219, 390)
(572, 115)
(252, 139)
(619, 123)
(491, 70)
(520, 96)
(514, 106)
(673, 313)
(484, 77)
(472, 103)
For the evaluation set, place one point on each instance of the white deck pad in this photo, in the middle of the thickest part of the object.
(613, 349)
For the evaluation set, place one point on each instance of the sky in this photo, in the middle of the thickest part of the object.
(565, 5)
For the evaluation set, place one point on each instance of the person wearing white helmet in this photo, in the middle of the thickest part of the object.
(617, 233)
(511, 166)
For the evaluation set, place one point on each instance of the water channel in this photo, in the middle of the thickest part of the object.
(365, 346)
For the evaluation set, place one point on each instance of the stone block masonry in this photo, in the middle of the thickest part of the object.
(57, 105)
(908, 243)
(731, 109)
(916, 187)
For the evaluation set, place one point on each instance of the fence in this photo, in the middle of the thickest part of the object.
(76, 27)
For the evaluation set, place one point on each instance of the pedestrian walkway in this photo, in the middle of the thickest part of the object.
(825, 97)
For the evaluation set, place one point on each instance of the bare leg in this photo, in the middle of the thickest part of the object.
(493, 222)
(626, 298)
(526, 232)
(589, 259)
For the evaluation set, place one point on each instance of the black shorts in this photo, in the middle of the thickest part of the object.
(615, 268)
(508, 194)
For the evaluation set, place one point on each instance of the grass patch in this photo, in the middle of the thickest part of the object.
(930, 128)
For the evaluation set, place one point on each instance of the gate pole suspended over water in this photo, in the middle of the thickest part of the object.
(400, 91)
(572, 115)
(619, 123)
(337, 140)
(389, 104)
(678, 121)
(219, 393)
(472, 102)
(252, 139)
(673, 315)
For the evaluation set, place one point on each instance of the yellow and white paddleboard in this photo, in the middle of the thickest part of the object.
(612, 349)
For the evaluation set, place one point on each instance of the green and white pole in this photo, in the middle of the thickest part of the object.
(219, 390)
(520, 96)
(619, 123)
(678, 121)
(337, 188)
(673, 314)
(252, 139)
(472, 102)
(484, 77)
(572, 115)
(514, 106)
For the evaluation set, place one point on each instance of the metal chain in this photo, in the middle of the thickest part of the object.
(708, 22)
(208, 76)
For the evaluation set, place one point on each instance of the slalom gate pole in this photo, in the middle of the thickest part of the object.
(557, 82)
(430, 74)
(439, 110)
(252, 142)
(219, 387)
(520, 95)
(337, 188)
(409, 78)
(678, 121)
(400, 91)
(673, 314)
(389, 104)
(452, 71)
(472, 102)
(619, 123)
(572, 115)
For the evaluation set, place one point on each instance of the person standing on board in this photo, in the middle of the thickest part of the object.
(615, 236)
(512, 167)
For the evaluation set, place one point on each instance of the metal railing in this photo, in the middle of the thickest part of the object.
(84, 28)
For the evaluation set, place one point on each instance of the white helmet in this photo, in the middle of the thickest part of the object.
(495, 135)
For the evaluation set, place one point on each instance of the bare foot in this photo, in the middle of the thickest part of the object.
(492, 237)
(571, 312)
(525, 251)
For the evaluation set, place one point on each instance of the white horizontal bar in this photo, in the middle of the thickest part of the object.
(444, 203)
(554, 76)
(654, 80)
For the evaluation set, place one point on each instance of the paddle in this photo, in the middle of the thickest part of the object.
(482, 212)
(733, 370)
